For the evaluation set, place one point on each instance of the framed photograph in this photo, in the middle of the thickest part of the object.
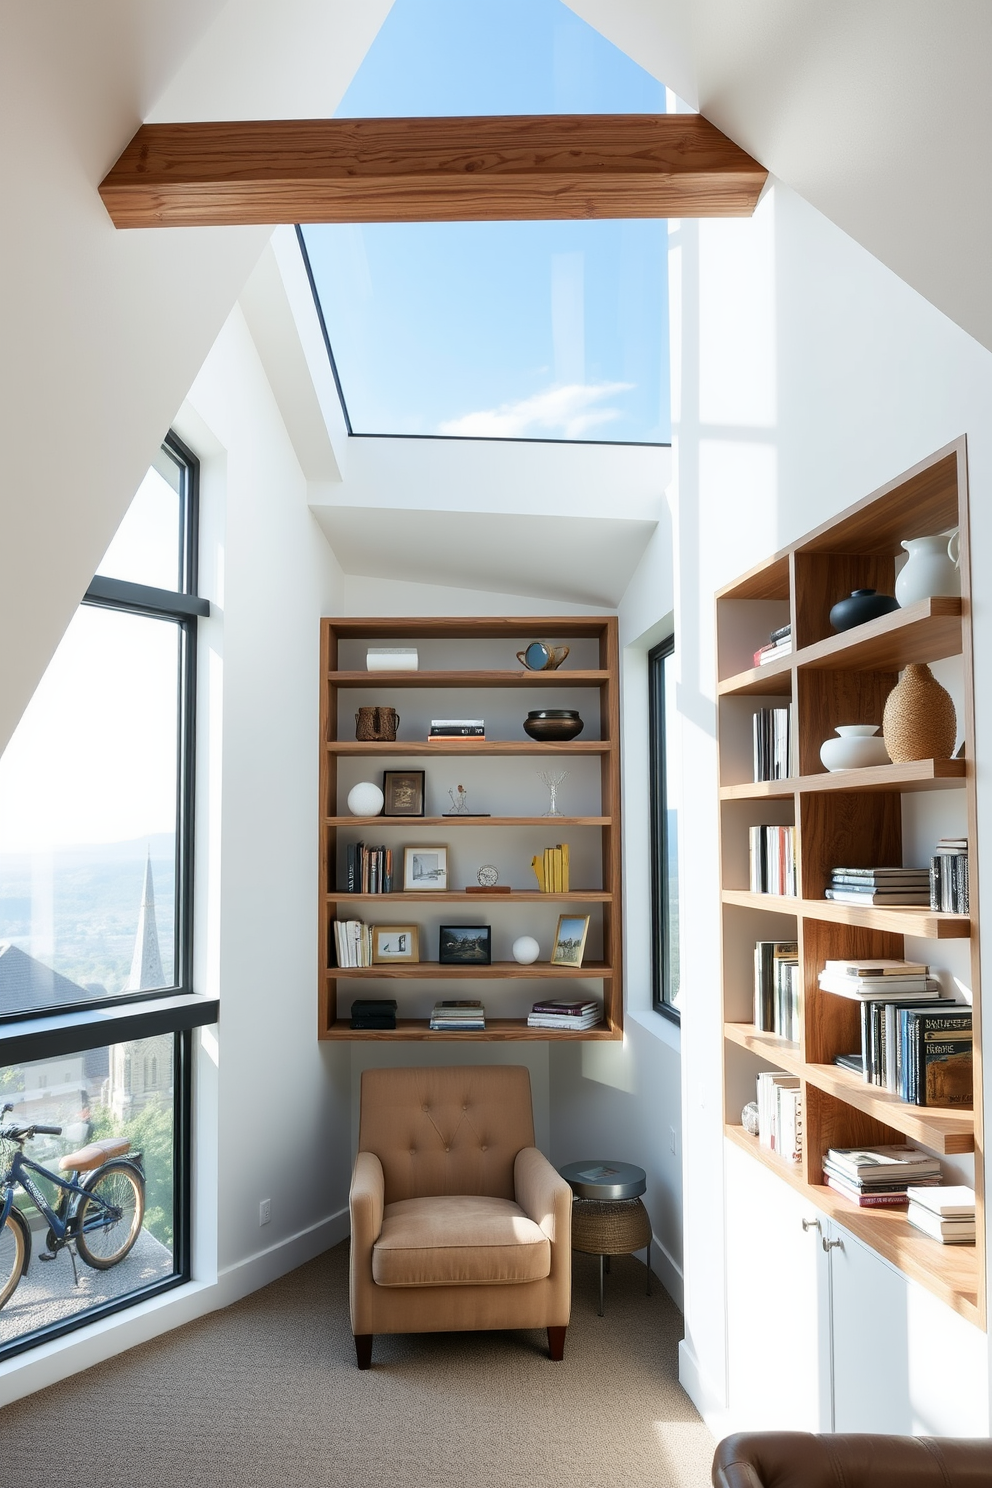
(404, 792)
(465, 945)
(425, 869)
(395, 944)
(570, 940)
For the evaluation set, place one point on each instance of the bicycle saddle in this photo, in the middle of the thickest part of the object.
(94, 1154)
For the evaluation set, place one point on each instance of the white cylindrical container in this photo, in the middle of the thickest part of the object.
(856, 749)
(931, 569)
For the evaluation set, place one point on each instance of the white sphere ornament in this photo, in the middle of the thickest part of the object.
(365, 799)
(526, 950)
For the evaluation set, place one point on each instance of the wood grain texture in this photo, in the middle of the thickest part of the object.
(496, 1030)
(926, 631)
(946, 1132)
(497, 971)
(469, 899)
(847, 830)
(560, 678)
(831, 1025)
(821, 579)
(828, 699)
(468, 746)
(415, 822)
(771, 1047)
(915, 775)
(486, 168)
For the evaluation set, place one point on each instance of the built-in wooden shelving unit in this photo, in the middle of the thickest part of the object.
(593, 676)
(853, 817)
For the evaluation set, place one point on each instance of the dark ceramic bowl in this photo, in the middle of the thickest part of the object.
(862, 605)
(553, 725)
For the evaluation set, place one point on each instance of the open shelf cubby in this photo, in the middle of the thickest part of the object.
(863, 818)
(468, 668)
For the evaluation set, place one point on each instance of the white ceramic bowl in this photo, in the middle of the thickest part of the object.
(856, 749)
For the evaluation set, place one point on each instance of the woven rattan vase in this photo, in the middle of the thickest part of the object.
(919, 721)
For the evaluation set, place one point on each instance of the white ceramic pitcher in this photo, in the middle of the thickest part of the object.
(931, 569)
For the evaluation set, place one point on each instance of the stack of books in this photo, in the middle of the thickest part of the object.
(462, 1014)
(949, 889)
(946, 1214)
(564, 1012)
(457, 728)
(880, 886)
(374, 1012)
(772, 743)
(934, 1056)
(369, 870)
(773, 860)
(780, 1114)
(878, 977)
(779, 643)
(551, 869)
(777, 985)
(879, 1177)
(353, 943)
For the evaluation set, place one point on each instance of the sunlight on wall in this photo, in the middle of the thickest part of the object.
(609, 1064)
(737, 320)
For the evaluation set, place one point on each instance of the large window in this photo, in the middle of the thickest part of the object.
(664, 830)
(96, 1000)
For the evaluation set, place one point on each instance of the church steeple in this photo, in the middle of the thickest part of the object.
(146, 964)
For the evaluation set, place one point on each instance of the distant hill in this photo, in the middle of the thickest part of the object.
(81, 916)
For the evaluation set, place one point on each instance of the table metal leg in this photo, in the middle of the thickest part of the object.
(601, 1286)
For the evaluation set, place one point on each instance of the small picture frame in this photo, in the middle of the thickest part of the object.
(395, 945)
(570, 940)
(465, 945)
(404, 792)
(425, 870)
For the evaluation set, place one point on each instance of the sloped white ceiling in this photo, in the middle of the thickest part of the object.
(878, 114)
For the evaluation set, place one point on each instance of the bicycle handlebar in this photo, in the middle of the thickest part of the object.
(25, 1133)
(47, 1131)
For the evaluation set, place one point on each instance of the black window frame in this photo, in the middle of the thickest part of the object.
(661, 884)
(178, 1010)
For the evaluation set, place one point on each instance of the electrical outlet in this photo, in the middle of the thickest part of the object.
(265, 1211)
(671, 1137)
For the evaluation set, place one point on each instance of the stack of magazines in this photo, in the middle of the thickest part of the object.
(879, 1177)
(779, 643)
(453, 1013)
(884, 886)
(946, 1214)
(572, 1014)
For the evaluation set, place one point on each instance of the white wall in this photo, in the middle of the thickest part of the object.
(807, 375)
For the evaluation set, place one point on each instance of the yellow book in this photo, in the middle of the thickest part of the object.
(558, 869)
(565, 885)
(549, 872)
(538, 866)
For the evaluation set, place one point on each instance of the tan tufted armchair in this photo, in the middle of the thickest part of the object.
(458, 1222)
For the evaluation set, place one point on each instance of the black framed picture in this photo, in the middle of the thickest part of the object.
(404, 792)
(465, 945)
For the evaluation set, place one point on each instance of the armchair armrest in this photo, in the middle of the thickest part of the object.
(543, 1195)
(366, 1201)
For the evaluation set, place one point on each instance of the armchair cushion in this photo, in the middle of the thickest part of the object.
(797, 1459)
(457, 1241)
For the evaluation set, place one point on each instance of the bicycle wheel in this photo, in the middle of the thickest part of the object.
(12, 1253)
(108, 1220)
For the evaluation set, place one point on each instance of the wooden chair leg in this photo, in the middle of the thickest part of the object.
(363, 1348)
(556, 1344)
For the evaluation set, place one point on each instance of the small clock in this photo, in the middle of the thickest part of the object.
(488, 876)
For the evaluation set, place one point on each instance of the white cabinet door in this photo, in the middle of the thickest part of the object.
(777, 1304)
(903, 1362)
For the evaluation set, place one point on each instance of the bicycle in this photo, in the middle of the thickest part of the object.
(98, 1215)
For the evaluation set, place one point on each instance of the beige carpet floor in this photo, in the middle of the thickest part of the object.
(266, 1395)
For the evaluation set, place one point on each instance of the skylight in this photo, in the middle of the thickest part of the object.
(502, 330)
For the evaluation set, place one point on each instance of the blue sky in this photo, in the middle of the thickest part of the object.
(506, 329)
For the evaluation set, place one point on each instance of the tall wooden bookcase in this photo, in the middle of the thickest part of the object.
(855, 818)
(468, 667)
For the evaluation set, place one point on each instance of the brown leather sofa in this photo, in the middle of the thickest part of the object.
(458, 1222)
(798, 1459)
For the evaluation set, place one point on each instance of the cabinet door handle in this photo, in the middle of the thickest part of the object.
(811, 1224)
(831, 1244)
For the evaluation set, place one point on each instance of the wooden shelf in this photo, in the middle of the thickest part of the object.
(930, 924)
(496, 971)
(560, 678)
(770, 1046)
(950, 1272)
(927, 631)
(468, 746)
(495, 1029)
(917, 775)
(522, 896)
(415, 822)
(946, 1132)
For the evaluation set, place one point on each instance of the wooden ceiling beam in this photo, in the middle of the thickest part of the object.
(430, 170)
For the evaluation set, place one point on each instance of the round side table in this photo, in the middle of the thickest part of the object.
(608, 1217)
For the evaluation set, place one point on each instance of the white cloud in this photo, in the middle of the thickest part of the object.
(562, 412)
